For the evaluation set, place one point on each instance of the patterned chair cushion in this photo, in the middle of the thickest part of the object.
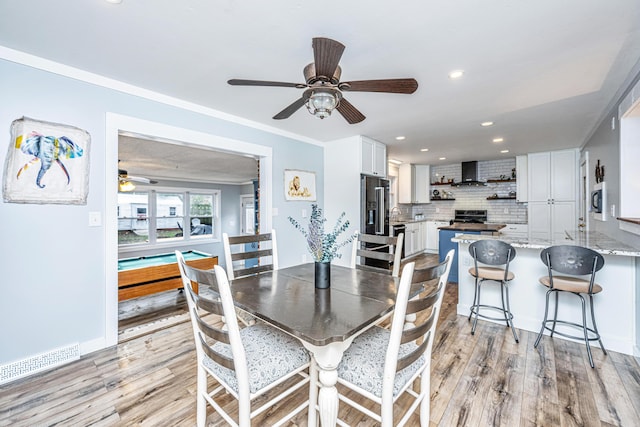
(363, 363)
(271, 354)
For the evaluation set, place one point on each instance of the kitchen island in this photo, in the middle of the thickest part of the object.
(617, 307)
(448, 232)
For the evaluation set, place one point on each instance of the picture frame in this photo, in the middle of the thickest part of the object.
(299, 185)
(46, 163)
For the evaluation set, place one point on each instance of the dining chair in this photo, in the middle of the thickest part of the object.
(573, 263)
(381, 365)
(377, 249)
(245, 363)
(250, 254)
(491, 259)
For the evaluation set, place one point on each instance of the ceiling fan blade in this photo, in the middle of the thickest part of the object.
(388, 85)
(287, 112)
(326, 56)
(349, 112)
(241, 82)
(141, 179)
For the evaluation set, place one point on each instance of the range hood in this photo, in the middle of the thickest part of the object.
(470, 175)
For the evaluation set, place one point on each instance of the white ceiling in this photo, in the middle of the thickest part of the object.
(544, 71)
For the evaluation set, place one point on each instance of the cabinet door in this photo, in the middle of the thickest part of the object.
(563, 173)
(379, 159)
(410, 240)
(522, 190)
(367, 154)
(539, 220)
(563, 218)
(422, 236)
(539, 176)
(421, 184)
(405, 187)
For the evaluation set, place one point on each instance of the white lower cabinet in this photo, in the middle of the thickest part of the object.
(415, 238)
(433, 235)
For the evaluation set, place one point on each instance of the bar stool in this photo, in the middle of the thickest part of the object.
(495, 255)
(575, 261)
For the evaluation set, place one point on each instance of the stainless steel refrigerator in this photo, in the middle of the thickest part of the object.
(374, 210)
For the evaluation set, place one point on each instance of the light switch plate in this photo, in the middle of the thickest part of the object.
(95, 219)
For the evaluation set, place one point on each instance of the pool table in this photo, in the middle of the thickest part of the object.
(147, 275)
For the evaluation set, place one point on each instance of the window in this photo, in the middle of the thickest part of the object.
(159, 217)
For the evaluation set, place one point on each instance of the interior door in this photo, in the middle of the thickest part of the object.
(248, 224)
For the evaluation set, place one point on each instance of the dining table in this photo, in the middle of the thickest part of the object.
(326, 321)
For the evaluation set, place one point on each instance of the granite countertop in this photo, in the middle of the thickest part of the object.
(599, 242)
(461, 226)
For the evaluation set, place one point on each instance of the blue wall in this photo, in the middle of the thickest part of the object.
(53, 291)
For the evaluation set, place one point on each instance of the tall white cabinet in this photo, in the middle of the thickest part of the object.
(552, 193)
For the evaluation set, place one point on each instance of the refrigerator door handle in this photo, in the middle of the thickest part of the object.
(380, 210)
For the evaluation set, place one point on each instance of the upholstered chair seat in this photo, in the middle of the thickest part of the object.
(570, 284)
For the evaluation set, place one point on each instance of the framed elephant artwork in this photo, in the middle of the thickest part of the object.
(46, 163)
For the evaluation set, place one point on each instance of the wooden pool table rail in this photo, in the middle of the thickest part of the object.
(150, 280)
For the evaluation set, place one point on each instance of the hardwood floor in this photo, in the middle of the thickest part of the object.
(481, 380)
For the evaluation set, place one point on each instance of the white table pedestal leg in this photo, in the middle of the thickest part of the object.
(328, 397)
(327, 359)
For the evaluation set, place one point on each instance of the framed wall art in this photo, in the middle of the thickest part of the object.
(46, 163)
(299, 185)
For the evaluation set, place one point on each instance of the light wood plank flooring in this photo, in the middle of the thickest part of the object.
(481, 380)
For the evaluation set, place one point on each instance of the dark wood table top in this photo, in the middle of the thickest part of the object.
(288, 299)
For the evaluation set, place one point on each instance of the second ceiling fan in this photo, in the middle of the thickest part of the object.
(323, 90)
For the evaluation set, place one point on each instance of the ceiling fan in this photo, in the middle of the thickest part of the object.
(125, 181)
(323, 90)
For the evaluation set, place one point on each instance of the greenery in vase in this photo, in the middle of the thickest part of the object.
(323, 246)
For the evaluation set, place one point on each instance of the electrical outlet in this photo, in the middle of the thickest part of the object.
(304, 213)
(437, 210)
(613, 211)
(506, 210)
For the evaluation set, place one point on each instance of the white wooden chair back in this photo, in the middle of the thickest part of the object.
(391, 247)
(265, 253)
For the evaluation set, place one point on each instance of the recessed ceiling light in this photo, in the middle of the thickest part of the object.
(424, 149)
(400, 138)
(394, 161)
(485, 124)
(456, 74)
(114, 1)
(443, 158)
(504, 151)
(498, 139)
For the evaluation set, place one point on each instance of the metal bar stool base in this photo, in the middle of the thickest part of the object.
(475, 311)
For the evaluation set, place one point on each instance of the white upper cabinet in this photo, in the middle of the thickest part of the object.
(522, 189)
(552, 176)
(373, 157)
(413, 183)
(553, 183)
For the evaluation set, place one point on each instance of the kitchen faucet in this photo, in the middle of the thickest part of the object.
(395, 212)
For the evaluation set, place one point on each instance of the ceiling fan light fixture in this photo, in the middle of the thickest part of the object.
(125, 186)
(322, 102)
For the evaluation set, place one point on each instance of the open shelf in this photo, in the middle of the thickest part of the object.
(502, 198)
(440, 199)
(494, 181)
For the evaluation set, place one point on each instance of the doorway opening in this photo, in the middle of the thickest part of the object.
(117, 126)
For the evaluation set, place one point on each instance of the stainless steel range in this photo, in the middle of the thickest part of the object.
(476, 216)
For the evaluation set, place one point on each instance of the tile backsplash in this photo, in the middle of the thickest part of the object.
(503, 211)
